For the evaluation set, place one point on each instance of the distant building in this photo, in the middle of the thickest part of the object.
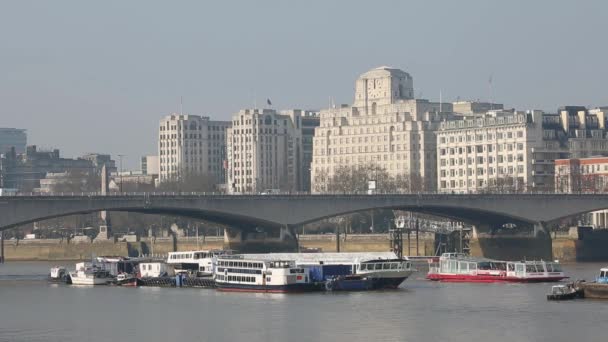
(132, 181)
(475, 107)
(584, 175)
(25, 171)
(264, 151)
(192, 144)
(305, 121)
(385, 127)
(12, 138)
(150, 165)
(99, 160)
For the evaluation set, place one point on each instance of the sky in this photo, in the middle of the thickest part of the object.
(87, 76)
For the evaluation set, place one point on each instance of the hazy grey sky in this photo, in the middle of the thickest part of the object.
(88, 76)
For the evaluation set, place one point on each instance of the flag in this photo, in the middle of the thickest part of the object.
(268, 101)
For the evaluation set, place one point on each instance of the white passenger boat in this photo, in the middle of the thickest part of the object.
(199, 263)
(253, 275)
(384, 269)
(457, 267)
(89, 274)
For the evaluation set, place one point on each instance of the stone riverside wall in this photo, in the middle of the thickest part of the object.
(62, 250)
(591, 248)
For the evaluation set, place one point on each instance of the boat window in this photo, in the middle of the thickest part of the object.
(549, 267)
(557, 268)
(530, 268)
(386, 266)
(378, 266)
(472, 266)
(602, 274)
(394, 266)
(363, 267)
(510, 267)
(464, 267)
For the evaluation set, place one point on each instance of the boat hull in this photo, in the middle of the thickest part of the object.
(289, 288)
(595, 290)
(89, 280)
(465, 278)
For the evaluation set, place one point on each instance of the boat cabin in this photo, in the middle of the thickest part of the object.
(603, 277)
(198, 262)
(155, 270)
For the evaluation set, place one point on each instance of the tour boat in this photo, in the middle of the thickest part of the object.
(385, 273)
(253, 275)
(58, 274)
(457, 267)
(198, 263)
(384, 270)
(89, 274)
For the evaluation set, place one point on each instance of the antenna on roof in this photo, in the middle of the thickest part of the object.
(181, 105)
(440, 100)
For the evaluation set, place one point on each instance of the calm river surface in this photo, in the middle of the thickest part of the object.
(33, 310)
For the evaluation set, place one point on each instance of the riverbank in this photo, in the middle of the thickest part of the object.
(591, 247)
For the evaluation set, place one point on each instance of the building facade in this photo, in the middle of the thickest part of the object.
(150, 165)
(24, 171)
(507, 151)
(192, 145)
(264, 151)
(385, 127)
(12, 138)
(584, 175)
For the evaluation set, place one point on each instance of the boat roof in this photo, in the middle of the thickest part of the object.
(326, 258)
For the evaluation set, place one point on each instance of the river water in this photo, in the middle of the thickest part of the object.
(33, 310)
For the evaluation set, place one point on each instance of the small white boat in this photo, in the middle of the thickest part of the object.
(58, 274)
(87, 274)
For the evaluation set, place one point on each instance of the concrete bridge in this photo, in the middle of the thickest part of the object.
(249, 211)
(246, 213)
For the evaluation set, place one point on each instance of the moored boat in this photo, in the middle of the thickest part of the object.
(250, 275)
(565, 292)
(200, 263)
(87, 274)
(456, 267)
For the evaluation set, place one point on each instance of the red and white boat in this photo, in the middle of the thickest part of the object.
(457, 267)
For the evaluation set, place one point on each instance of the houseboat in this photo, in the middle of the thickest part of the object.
(198, 263)
(457, 267)
(385, 273)
(241, 274)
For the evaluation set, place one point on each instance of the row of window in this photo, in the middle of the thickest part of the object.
(482, 160)
(481, 171)
(240, 264)
(481, 137)
(481, 149)
(240, 279)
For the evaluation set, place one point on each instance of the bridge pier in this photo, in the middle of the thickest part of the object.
(261, 239)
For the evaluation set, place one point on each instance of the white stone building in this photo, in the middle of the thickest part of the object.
(192, 144)
(506, 151)
(385, 126)
(262, 152)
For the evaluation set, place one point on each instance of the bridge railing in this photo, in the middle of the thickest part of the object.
(287, 193)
